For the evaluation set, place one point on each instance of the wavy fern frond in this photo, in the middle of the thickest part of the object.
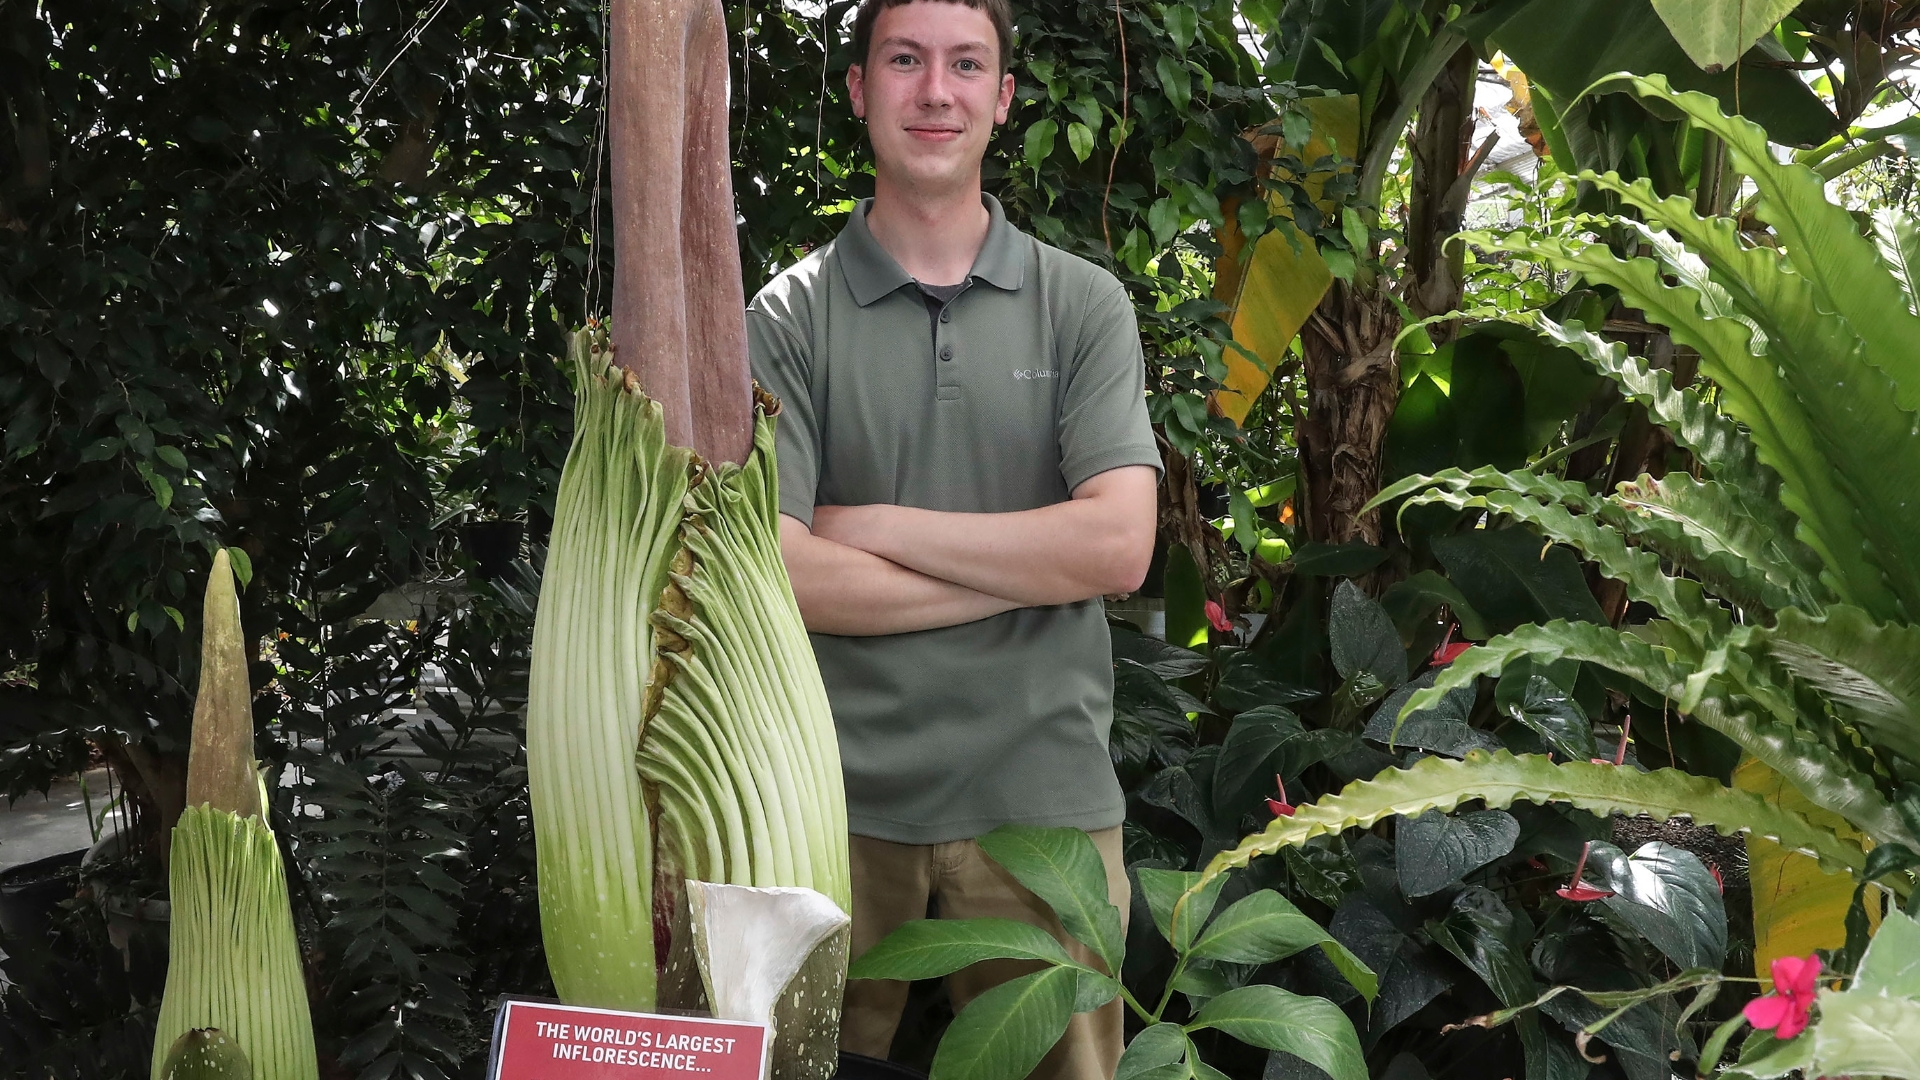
(1822, 239)
(1754, 391)
(1698, 524)
(1545, 488)
(1500, 779)
(1717, 443)
(1826, 778)
(1679, 599)
(1896, 234)
(1871, 669)
(1864, 433)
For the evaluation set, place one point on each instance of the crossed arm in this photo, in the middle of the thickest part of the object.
(883, 569)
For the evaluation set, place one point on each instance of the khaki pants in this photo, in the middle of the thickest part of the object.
(893, 884)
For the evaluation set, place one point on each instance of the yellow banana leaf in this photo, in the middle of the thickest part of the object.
(1272, 293)
(1797, 907)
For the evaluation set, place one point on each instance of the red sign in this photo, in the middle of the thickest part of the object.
(537, 1040)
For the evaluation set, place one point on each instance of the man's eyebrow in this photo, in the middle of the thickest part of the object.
(908, 43)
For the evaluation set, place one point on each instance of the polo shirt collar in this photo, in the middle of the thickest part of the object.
(872, 273)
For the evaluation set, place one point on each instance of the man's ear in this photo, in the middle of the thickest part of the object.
(1006, 98)
(857, 92)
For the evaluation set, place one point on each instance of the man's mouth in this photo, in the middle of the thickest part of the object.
(935, 133)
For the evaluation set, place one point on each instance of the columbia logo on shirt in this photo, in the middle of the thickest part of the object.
(1035, 373)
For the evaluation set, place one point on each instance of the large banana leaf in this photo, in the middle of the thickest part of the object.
(1564, 45)
(1273, 292)
(1796, 907)
(1716, 32)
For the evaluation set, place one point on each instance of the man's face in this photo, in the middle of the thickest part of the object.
(931, 92)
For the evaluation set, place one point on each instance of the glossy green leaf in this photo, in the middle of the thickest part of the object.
(1364, 638)
(1263, 927)
(1552, 714)
(927, 948)
(1157, 1053)
(1079, 140)
(1003, 1033)
(1511, 577)
(1440, 727)
(1434, 850)
(1310, 1028)
(1038, 142)
(1182, 23)
(1716, 33)
(1062, 867)
(1163, 890)
(1666, 894)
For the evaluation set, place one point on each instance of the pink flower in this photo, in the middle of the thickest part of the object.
(1577, 891)
(1785, 1010)
(1280, 806)
(1719, 882)
(1217, 616)
(1449, 649)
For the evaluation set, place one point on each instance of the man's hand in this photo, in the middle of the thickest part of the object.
(843, 590)
(1098, 542)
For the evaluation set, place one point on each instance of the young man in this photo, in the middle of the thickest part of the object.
(966, 466)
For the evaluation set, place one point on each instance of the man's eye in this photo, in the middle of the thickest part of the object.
(902, 60)
(970, 65)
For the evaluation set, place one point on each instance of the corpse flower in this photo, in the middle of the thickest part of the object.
(1785, 1010)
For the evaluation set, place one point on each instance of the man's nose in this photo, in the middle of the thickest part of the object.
(936, 90)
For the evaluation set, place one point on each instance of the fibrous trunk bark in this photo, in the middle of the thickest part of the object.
(678, 307)
(1351, 367)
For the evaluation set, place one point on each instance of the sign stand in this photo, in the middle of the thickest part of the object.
(544, 1040)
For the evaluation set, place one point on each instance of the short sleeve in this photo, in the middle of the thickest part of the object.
(1103, 413)
(783, 365)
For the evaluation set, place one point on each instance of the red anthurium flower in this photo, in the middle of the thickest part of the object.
(1785, 1010)
(1620, 755)
(1449, 650)
(1280, 806)
(1574, 889)
(1718, 881)
(1217, 616)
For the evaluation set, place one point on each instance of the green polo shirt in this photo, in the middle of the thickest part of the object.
(1030, 382)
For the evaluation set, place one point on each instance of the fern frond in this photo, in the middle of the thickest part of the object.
(1699, 525)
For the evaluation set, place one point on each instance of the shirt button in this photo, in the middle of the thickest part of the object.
(946, 316)
(946, 352)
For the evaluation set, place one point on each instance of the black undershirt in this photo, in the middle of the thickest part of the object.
(937, 298)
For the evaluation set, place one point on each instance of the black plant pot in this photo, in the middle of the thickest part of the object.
(492, 545)
(29, 893)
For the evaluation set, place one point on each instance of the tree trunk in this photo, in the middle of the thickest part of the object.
(1353, 384)
(678, 318)
(1351, 368)
(1442, 179)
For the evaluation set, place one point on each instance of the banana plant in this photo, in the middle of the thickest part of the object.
(1003, 1033)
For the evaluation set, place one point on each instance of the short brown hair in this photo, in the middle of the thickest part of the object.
(997, 10)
